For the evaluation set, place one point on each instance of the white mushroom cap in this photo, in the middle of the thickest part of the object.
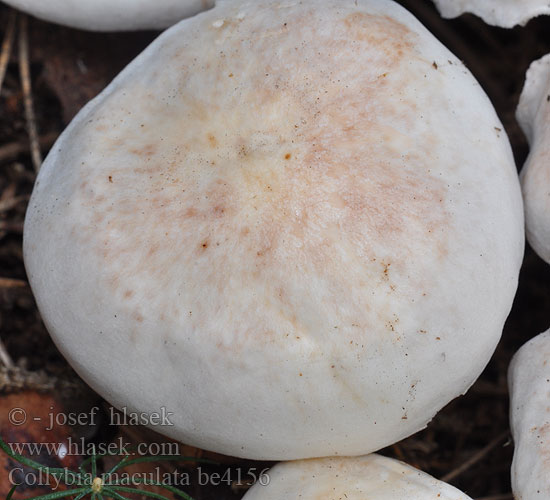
(281, 224)
(112, 15)
(371, 477)
(503, 13)
(533, 115)
(529, 381)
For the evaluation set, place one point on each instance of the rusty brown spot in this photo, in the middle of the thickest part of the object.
(111, 178)
(219, 210)
(147, 150)
(288, 156)
(153, 249)
(386, 271)
(98, 218)
(212, 140)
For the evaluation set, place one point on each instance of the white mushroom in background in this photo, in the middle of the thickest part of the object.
(503, 13)
(533, 115)
(529, 381)
(296, 226)
(112, 15)
(369, 477)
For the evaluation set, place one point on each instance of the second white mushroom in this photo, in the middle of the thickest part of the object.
(503, 13)
(529, 380)
(369, 477)
(533, 114)
(112, 15)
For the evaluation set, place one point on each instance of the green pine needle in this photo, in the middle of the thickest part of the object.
(113, 494)
(145, 493)
(93, 484)
(11, 492)
(172, 489)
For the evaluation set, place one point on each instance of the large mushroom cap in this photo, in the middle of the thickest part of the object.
(112, 15)
(529, 381)
(297, 226)
(371, 477)
(503, 13)
(533, 115)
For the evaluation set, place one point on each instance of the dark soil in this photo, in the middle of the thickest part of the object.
(69, 67)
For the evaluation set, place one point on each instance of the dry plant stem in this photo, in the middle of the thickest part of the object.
(7, 45)
(18, 378)
(11, 150)
(480, 455)
(5, 358)
(25, 72)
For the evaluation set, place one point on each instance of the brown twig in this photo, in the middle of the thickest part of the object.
(10, 203)
(11, 227)
(399, 452)
(13, 149)
(480, 455)
(25, 72)
(7, 45)
(12, 283)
